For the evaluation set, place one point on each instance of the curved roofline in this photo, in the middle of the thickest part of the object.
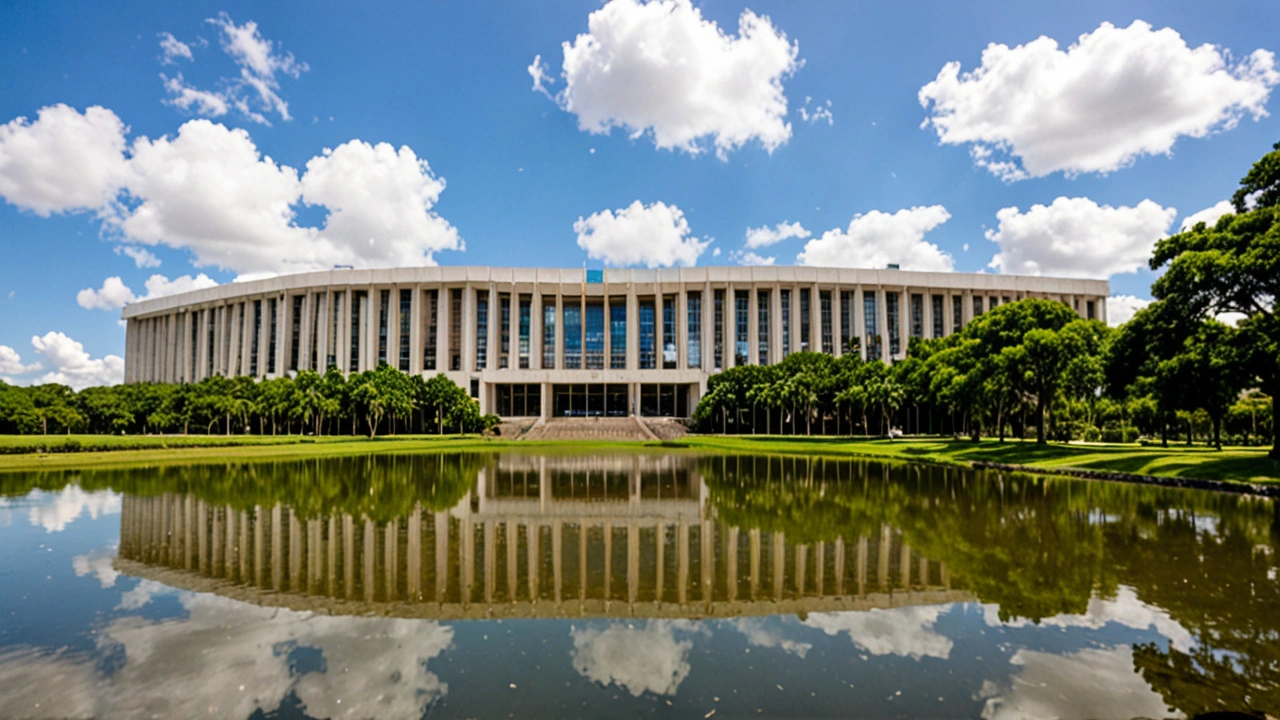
(619, 276)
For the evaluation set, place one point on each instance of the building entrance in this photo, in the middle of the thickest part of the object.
(589, 400)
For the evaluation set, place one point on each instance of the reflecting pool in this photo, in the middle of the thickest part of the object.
(646, 584)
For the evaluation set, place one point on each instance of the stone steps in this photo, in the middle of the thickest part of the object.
(605, 429)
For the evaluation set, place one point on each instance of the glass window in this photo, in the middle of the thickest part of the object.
(824, 319)
(694, 300)
(595, 336)
(957, 313)
(210, 322)
(786, 322)
(548, 332)
(526, 313)
(317, 314)
(431, 328)
(762, 321)
(1089, 308)
(917, 315)
(669, 355)
(406, 315)
(872, 319)
(977, 305)
(741, 325)
(572, 334)
(295, 332)
(893, 319)
(718, 329)
(455, 329)
(358, 302)
(384, 300)
(648, 343)
(482, 329)
(846, 320)
(504, 331)
(938, 330)
(253, 343)
(806, 320)
(618, 333)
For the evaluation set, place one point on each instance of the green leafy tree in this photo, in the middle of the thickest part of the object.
(1233, 266)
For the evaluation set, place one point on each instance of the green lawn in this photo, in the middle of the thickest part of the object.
(1239, 464)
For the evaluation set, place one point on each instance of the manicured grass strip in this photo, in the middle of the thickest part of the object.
(1232, 464)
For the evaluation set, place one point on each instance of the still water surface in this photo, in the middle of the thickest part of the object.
(495, 585)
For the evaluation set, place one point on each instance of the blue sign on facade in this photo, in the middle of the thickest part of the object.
(595, 276)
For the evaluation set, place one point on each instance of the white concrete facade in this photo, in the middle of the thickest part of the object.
(500, 332)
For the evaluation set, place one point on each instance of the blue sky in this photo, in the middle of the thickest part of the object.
(517, 177)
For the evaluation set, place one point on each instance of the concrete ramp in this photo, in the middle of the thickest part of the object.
(590, 428)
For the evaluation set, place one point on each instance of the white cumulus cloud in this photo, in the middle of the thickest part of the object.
(69, 363)
(904, 631)
(172, 49)
(210, 191)
(1113, 95)
(1121, 308)
(654, 235)
(1091, 683)
(748, 258)
(54, 511)
(193, 99)
(876, 239)
(766, 236)
(1077, 237)
(659, 67)
(11, 362)
(1208, 216)
(379, 200)
(64, 161)
(255, 93)
(113, 295)
(142, 257)
(637, 659)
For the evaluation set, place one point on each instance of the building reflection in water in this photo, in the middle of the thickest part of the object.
(535, 536)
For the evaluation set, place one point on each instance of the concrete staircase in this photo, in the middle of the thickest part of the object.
(591, 428)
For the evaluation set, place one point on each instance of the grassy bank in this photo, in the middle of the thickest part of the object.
(1233, 464)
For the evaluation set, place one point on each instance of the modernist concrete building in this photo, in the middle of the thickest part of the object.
(549, 343)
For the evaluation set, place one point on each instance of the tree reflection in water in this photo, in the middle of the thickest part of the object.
(681, 536)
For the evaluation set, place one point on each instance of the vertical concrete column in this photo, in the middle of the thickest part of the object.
(442, 555)
(882, 320)
(533, 559)
(659, 564)
(130, 349)
(304, 332)
(494, 340)
(753, 327)
(948, 314)
(682, 561)
(904, 321)
(966, 307)
(417, 310)
(927, 298)
(468, 320)
(730, 326)
(731, 565)
(815, 319)
(557, 558)
(778, 563)
(513, 559)
(442, 329)
(393, 326)
(284, 311)
(753, 540)
(795, 318)
(837, 317)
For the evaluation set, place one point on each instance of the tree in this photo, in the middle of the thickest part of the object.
(1233, 266)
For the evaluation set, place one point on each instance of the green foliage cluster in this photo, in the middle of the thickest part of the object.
(379, 401)
(1034, 365)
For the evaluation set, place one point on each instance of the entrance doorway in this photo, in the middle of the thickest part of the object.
(582, 400)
